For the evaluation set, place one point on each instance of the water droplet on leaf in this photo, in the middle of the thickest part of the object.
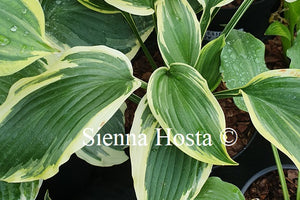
(4, 40)
(14, 28)
(24, 11)
(58, 2)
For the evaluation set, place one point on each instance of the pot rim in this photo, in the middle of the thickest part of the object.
(263, 172)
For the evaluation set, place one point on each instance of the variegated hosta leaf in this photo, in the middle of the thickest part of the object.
(70, 23)
(179, 37)
(99, 6)
(104, 150)
(180, 100)
(209, 62)
(208, 8)
(136, 7)
(216, 189)
(43, 118)
(272, 99)
(6, 82)
(20, 191)
(242, 59)
(162, 172)
(22, 35)
(294, 52)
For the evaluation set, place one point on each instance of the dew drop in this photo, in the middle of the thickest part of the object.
(24, 11)
(58, 2)
(23, 49)
(26, 33)
(14, 28)
(4, 41)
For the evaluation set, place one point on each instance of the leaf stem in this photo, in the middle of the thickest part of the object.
(227, 93)
(281, 173)
(135, 98)
(236, 17)
(133, 27)
(144, 84)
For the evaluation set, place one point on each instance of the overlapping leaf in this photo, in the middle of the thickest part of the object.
(294, 52)
(43, 117)
(209, 62)
(6, 82)
(70, 23)
(105, 151)
(242, 58)
(162, 172)
(216, 189)
(180, 99)
(99, 6)
(13, 191)
(179, 37)
(136, 7)
(22, 35)
(272, 99)
(208, 9)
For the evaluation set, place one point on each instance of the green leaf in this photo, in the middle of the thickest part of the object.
(208, 9)
(22, 35)
(72, 24)
(6, 82)
(292, 14)
(294, 52)
(14, 191)
(43, 118)
(47, 197)
(195, 5)
(178, 32)
(136, 7)
(99, 6)
(272, 99)
(216, 189)
(162, 172)
(242, 59)
(209, 62)
(180, 100)
(105, 152)
(277, 28)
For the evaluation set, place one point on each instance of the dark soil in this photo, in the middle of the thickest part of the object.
(268, 186)
(274, 55)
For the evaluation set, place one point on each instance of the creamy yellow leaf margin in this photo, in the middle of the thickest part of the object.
(145, 123)
(165, 108)
(263, 129)
(26, 86)
(136, 7)
(35, 8)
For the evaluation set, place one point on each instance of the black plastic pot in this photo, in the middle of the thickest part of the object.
(255, 20)
(78, 180)
(255, 158)
(262, 173)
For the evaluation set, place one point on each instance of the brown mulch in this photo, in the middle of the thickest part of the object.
(274, 55)
(268, 187)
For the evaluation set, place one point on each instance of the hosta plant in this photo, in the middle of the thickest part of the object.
(288, 27)
(66, 73)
